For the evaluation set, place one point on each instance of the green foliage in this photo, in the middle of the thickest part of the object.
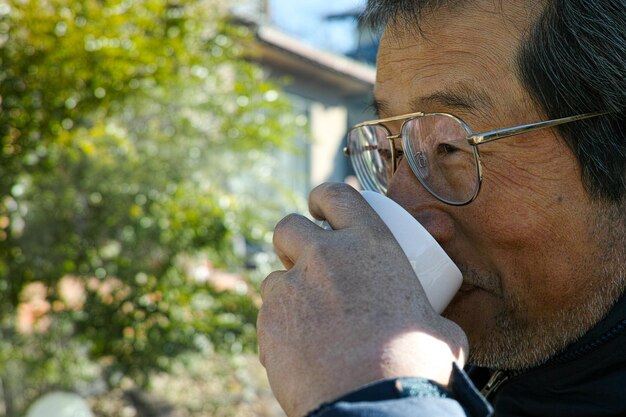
(123, 127)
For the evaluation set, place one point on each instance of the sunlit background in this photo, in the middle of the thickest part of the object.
(147, 150)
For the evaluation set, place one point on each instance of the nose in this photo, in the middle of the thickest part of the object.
(405, 189)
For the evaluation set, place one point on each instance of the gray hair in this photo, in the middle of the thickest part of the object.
(573, 61)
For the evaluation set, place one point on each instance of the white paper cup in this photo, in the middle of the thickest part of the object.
(439, 276)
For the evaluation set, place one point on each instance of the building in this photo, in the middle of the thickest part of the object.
(333, 91)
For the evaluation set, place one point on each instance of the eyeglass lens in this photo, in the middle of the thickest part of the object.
(436, 148)
(370, 154)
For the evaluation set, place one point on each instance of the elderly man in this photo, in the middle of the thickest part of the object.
(502, 131)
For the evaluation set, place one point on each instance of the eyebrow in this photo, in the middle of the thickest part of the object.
(459, 97)
(379, 107)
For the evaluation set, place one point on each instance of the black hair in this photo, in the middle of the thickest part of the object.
(572, 61)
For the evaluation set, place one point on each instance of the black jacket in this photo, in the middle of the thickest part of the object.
(588, 379)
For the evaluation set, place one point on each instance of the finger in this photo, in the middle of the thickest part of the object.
(292, 235)
(271, 288)
(270, 283)
(339, 204)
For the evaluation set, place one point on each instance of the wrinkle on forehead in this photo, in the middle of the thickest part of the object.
(454, 51)
(414, 17)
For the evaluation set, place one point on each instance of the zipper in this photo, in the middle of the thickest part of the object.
(599, 341)
(494, 383)
(498, 378)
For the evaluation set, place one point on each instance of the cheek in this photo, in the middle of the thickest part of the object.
(530, 197)
(538, 282)
(532, 230)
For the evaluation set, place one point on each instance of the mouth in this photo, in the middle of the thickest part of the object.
(475, 279)
(465, 288)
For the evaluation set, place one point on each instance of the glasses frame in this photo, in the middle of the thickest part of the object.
(473, 139)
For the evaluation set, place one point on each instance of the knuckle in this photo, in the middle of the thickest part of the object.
(289, 220)
(261, 324)
(269, 283)
(334, 190)
(285, 224)
(285, 221)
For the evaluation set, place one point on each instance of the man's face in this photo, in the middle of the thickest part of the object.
(531, 246)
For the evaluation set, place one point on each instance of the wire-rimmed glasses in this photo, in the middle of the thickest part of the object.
(440, 148)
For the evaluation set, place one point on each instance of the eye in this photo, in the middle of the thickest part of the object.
(446, 148)
(385, 154)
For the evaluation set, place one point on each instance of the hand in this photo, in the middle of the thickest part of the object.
(348, 310)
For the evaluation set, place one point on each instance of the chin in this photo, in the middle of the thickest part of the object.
(489, 326)
(502, 336)
(474, 311)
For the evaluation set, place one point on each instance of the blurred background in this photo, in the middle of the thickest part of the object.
(147, 148)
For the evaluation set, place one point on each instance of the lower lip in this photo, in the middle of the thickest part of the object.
(467, 288)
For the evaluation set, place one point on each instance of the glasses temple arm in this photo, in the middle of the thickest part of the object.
(492, 135)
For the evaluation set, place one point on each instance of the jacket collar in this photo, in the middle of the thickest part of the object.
(587, 378)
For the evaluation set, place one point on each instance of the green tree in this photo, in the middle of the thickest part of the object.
(123, 125)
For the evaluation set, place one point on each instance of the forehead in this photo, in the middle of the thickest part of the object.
(463, 58)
